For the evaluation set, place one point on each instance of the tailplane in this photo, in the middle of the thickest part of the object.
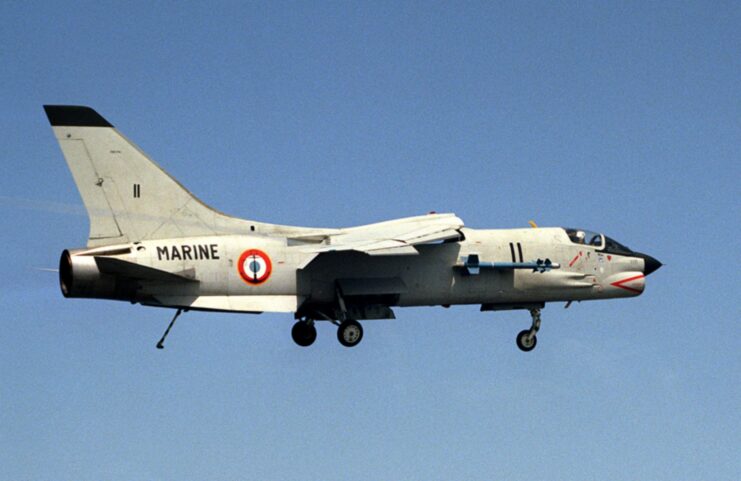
(128, 196)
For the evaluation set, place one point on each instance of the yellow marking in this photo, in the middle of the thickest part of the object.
(533, 224)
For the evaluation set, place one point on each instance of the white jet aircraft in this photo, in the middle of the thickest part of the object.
(154, 243)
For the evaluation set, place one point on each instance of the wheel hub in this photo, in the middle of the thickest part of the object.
(351, 334)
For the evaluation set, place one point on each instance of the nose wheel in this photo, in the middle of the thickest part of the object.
(527, 339)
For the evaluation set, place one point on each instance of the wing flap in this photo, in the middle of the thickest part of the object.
(394, 251)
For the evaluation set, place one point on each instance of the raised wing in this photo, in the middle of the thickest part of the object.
(395, 237)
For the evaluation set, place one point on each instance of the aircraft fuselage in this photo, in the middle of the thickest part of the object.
(433, 277)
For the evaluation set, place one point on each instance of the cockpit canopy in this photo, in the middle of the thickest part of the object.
(585, 237)
(594, 239)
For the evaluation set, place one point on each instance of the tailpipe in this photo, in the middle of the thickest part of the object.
(79, 276)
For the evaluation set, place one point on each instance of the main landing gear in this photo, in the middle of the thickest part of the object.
(349, 332)
(304, 332)
(527, 339)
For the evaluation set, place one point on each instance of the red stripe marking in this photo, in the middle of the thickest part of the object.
(621, 286)
(576, 257)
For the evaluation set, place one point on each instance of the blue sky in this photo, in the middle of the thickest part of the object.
(623, 117)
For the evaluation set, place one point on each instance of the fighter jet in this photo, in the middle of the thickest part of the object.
(154, 243)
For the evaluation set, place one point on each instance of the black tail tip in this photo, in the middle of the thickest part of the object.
(74, 116)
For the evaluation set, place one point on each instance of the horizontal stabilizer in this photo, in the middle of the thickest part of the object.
(247, 304)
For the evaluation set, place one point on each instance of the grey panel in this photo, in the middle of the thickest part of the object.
(372, 287)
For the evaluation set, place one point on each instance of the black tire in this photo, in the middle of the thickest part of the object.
(350, 333)
(303, 334)
(521, 341)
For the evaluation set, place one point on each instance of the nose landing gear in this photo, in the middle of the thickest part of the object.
(527, 339)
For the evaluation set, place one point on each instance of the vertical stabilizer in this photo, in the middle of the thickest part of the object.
(128, 197)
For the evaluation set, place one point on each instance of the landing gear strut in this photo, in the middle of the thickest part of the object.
(304, 332)
(527, 339)
(349, 331)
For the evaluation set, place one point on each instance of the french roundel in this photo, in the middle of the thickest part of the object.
(254, 266)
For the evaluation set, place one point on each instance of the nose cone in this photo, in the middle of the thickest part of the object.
(650, 264)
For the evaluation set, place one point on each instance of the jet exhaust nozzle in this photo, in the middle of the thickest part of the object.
(79, 276)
